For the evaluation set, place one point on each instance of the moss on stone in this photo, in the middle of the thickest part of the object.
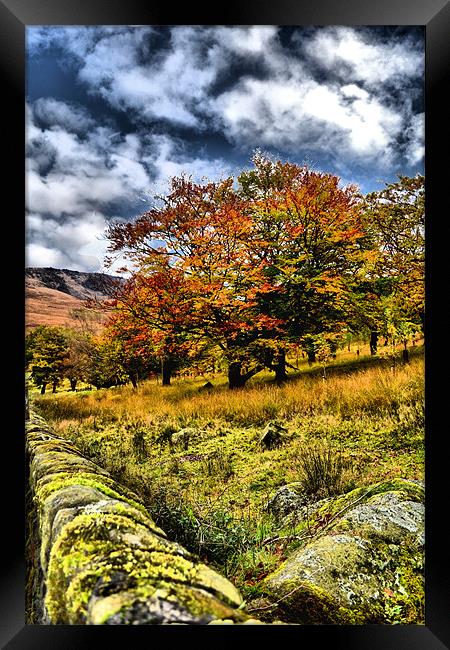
(182, 604)
(104, 484)
(104, 559)
(368, 562)
(89, 551)
(332, 507)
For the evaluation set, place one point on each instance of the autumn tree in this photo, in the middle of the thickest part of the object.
(197, 274)
(306, 232)
(390, 292)
(106, 366)
(77, 361)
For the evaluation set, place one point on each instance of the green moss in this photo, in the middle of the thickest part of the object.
(198, 604)
(104, 484)
(85, 557)
(406, 490)
(399, 568)
(361, 582)
(56, 445)
(304, 603)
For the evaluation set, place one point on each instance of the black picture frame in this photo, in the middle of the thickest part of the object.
(434, 15)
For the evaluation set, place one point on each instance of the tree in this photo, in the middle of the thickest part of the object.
(308, 230)
(77, 361)
(284, 257)
(389, 291)
(395, 221)
(198, 284)
(106, 365)
(149, 316)
(46, 353)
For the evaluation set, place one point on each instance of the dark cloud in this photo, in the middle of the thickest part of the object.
(115, 111)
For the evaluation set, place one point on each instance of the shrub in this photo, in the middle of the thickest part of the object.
(323, 471)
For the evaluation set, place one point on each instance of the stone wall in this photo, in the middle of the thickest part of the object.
(96, 557)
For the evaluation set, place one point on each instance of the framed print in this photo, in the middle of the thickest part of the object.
(230, 285)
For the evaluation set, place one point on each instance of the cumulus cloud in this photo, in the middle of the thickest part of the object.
(320, 118)
(343, 95)
(289, 103)
(75, 243)
(81, 174)
(352, 56)
(72, 182)
(51, 112)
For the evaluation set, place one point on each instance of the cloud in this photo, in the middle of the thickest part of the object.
(415, 136)
(74, 185)
(81, 174)
(344, 97)
(74, 242)
(51, 112)
(167, 85)
(346, 123)
(291, 106)
(352, 56)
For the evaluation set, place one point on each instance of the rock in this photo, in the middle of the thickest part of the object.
(182, 437)
(364, 564)
(100, 559)
(208, 387)
(287, 499)
(272, 436)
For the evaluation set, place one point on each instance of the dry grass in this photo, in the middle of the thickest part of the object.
(208, 488)
(372, 390)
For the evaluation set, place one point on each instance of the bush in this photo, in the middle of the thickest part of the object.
(323, 471)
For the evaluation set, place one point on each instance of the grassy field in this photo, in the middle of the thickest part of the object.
(196, 459)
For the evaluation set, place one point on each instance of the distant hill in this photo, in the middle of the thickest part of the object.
(51, 295)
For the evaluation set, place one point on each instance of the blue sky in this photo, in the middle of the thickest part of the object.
(113, 112)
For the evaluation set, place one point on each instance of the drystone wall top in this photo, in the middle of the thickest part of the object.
(103, 559)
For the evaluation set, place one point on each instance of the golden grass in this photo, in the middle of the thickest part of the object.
(207, 490)
(371, 390)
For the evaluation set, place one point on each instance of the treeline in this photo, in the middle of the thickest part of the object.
(243, 270)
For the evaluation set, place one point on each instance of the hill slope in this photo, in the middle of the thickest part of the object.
(51, 294)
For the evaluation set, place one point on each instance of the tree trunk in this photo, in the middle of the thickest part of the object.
(311, 355)
(373, 342)
(405, 353)
(235, 377)
(54, 385)
(166, 371)
(280, 367)
(73, 384)
(43, 387)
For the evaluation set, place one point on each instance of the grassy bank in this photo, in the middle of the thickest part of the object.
(197, 461)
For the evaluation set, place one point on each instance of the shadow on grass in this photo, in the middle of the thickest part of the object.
(346, 367)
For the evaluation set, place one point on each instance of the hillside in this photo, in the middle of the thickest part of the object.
(51, 294)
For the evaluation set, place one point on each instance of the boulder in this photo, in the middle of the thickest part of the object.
(208, 387)
(289, 498)
(182, 437)
(362, 563)
(274, 435)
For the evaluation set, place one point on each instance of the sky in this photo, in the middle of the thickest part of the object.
(113, 112)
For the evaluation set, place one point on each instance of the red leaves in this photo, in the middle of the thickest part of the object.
(216, 263)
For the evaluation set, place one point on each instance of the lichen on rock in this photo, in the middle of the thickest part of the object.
(103, 559)
(362, 563)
